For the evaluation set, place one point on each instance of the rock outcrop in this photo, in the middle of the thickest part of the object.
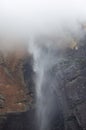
(14, 93)
(72, 84)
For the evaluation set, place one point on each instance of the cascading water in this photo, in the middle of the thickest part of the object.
(47, 90)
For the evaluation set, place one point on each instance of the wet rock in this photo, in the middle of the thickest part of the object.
(80, 114)
(75, 91)
(2, 101)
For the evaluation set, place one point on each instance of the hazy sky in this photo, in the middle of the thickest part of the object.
(35, 16)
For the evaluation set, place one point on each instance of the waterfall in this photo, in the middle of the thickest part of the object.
(47, 90)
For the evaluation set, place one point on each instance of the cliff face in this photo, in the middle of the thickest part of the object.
(14, 94)
(71, 78)
(17, 90)
(12, 89)
(75, 87)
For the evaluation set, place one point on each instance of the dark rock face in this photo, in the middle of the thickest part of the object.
(75, 89)
(20, 121)
(2, 101)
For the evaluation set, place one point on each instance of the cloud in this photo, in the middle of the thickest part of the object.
(37, 16)
(30, 18)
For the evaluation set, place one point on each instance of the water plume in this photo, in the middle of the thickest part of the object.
(48, 102)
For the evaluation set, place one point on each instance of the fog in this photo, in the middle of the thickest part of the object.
(25, 18)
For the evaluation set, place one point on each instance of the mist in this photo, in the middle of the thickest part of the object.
(27, 19)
